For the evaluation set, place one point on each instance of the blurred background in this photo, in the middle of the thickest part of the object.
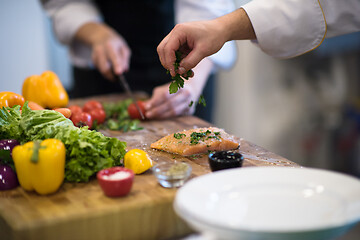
(306, 109)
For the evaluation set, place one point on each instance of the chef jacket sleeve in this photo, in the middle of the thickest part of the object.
(198, 10)
(288, 28)
(68, 16)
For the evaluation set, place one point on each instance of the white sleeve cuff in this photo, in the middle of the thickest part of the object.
(69, 18)
(289, 28)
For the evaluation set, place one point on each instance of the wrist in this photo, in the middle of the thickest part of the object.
(93, 33)
(237, 26)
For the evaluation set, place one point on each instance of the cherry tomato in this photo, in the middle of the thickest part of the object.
(98, 114)
(92, 104)
(133, 112)
(82, 119)
(75, 110)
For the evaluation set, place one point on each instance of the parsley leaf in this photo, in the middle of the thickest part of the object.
(178, 81)
(173, 88)
(202, 100)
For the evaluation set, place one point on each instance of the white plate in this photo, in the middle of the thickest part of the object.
(271, 203)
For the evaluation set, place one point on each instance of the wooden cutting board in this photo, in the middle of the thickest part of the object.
(82, 211)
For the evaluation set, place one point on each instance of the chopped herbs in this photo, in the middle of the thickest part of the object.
(179, 135)
(196, 137)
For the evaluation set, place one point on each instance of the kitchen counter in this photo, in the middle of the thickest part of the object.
(82, 211)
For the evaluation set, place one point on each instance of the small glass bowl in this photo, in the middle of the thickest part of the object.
(172, 175)
(225, 159)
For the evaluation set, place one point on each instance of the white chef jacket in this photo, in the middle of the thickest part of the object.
(288, 28)
(69, 15)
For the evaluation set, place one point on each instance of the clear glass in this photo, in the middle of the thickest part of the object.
(172, 175)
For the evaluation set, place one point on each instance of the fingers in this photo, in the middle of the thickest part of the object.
(189, 40)
(100, 60)
(165, 105)
(167, 59)
(115, 58)
(125, 52)
(111, 56)
(169, 45)
(191, 60)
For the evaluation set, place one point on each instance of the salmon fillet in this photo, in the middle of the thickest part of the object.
(196, 141)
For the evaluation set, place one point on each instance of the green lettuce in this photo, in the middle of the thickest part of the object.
(87, 152)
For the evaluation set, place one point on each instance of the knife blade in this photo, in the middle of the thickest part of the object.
(122, 80)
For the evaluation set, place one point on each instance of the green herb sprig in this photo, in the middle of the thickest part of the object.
(178, 80)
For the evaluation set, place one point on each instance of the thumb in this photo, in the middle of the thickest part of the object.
(190, 61)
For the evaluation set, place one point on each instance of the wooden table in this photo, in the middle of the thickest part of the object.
(82, 211)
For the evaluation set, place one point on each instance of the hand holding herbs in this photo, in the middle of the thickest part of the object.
(178, 80)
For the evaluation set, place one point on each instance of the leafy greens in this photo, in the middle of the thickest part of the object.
(87, 152)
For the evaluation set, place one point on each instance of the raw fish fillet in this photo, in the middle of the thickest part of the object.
(196, 141)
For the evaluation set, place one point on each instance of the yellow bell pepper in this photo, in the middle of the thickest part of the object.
(40, 165)
(46, 90)
(137, 160)
(10, 99)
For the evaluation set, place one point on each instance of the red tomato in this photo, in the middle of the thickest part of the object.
(98, 114)
(92, 104)
(82, 119)
(75, 110)
(133, 112)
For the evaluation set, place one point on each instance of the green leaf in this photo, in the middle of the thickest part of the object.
(173, 88)
(202, 100)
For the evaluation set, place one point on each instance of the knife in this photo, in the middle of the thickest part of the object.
(121, 79)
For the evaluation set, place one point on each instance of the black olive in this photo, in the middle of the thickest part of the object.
(224, 160)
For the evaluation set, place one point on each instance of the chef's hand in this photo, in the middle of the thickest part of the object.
(110, 51)
(162, 104)
(197, 40)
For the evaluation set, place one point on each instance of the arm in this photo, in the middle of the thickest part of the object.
(282, 28)
(164, 105)
(288, 28)
(200, 10)
(203, 38)
(110, 51)
(78, 24)
(68, 16)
